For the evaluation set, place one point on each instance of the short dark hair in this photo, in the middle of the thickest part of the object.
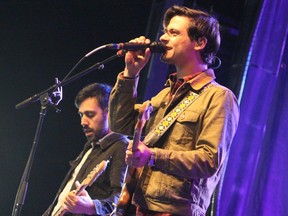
(95, 90)
(202, 25)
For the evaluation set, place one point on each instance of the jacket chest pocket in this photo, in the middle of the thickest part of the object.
(185, 127)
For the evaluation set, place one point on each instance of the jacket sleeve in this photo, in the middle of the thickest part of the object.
(116, 178)
(122, 108)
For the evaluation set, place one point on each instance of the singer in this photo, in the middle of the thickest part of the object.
(103, 144)
(193, 122)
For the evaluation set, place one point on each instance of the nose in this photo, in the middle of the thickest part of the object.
(164, 38)
(84, 120)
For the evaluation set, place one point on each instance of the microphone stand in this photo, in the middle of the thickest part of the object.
(47, 98)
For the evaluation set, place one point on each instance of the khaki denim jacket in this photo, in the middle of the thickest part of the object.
(191, 155)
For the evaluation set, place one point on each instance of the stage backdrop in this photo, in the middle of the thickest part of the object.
(256, 177)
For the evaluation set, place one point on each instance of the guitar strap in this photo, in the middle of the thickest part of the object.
(154, 135)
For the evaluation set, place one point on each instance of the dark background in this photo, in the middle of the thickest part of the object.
(41, 40)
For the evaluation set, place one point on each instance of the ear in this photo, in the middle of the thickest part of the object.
(200, 43)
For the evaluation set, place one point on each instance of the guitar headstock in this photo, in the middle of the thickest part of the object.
(144, 115)
(145, 112)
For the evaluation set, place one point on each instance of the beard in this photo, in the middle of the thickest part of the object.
(95, 135)
(97, 130)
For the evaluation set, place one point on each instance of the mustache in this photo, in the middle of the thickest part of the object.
(86, 129)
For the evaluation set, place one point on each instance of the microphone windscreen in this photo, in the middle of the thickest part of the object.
(157, 47)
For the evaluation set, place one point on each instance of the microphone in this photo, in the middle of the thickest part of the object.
(155, 47)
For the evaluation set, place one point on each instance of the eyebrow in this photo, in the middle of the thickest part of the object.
(165, 30)
(86, 112)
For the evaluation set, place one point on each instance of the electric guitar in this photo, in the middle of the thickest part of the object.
(124, 207)
(88, 181)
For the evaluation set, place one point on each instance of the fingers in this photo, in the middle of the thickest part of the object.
(140, 40)
(129, 156)
(136, 60)
(141, 55)
(69, 200)
(83, 192)
(77, 184)
(136, 158)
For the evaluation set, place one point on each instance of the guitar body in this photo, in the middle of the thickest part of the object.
(124, 206)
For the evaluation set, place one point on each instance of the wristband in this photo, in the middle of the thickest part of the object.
(127, 77)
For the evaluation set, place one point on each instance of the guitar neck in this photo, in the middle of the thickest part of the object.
(144, 115)
(136, 138)
(92, 176)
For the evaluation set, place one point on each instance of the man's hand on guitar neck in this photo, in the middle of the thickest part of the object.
(140, 157)
(81, 204)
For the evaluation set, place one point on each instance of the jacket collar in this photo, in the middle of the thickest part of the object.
(197, 82)
(109, 140)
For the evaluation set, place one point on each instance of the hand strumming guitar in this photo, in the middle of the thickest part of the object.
(79, 204)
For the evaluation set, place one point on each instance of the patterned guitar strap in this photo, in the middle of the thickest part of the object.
(154, 135)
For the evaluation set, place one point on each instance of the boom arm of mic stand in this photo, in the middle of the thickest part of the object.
(35, 97)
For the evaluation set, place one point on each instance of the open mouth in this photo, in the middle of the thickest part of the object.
(87, 130)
